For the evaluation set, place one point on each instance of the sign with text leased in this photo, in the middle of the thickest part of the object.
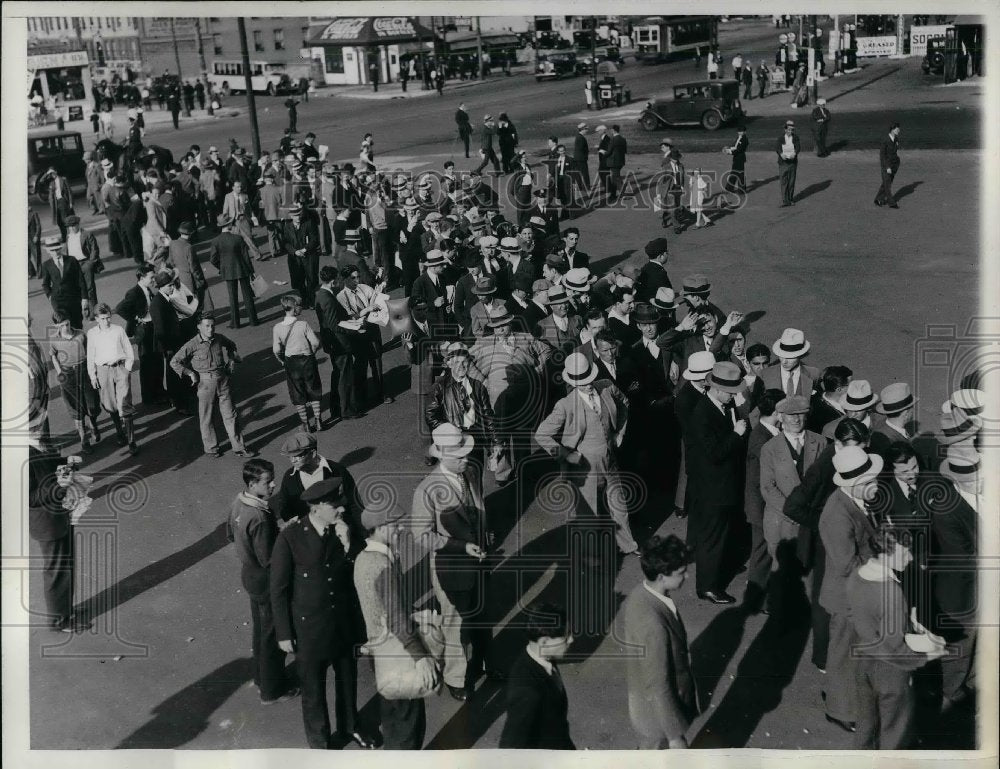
(920, 35)
(877, 46)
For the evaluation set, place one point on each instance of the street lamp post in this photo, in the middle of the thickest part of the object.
(479, 50)
(177, 59)
(204, 66)
(248, 77)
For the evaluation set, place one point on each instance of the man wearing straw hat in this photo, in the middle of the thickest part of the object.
(449, 519)
(847, 527)
(898, 406)
(584, 433)
(859, 403)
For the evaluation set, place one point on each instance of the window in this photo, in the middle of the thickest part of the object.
(279, 39)
(217, 43)
(334, 60)
(258, 40)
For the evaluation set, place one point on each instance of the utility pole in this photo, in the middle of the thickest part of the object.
(204, 66)
(177, 59)
(248, 75)
(817, 52)
(593, 53)
(479, 49)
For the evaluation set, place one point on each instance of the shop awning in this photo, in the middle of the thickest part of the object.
(368, 30)
(465, 40)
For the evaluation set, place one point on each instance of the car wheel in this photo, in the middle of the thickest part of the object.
(649, 122)
(711, 120)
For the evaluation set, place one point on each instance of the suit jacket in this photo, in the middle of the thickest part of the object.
(626, 376)
(618, 150)
(654, 374)
(603, 151)
(566, 340)
(166, 325)
(821, 413)
(47, 520)
(329, 314)
(66, 286)
(577, 259)
(182, 256)
(954, 529)
(778, 475)
(662, 699)
(564, 429)
(808, 379)
(424, 290)
(287, 501)
(479, 317)
(879, 443)
(753, 500)
(312, 592)
(652, 277)
(847, 535)
(533, 315)
(229, 255)
(581, 150)
(296, 238)
(550, 215)
(462, 119)
(537, 708)
(132, 306)
(780, 143)
(888, 155)
(521, 278)
(627, 334)
(716, 462)
(463, 301)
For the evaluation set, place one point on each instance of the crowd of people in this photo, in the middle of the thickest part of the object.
(812, 481)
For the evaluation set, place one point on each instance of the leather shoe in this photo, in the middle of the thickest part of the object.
(847, 726)
(721, 597)
(358, 739)
(458, 692)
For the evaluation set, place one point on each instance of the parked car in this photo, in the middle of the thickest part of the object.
(933, 61)
(708, 103)
(555, 66)
(585, 59)
(61, 150)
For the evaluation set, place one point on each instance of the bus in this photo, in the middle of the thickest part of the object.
(665, 38)
(266, 77)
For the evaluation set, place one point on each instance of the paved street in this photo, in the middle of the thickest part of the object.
(167, 664)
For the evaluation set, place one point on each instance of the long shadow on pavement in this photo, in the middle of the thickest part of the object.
(183, 716)
(713, 649)
(902, 192)
(812, 189)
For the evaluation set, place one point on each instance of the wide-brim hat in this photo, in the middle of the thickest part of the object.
(962, 464)
(352, 236)
(295, 209)
(52, 241)
(699, 366)
(225, 221)
(665, 299)
(410, 204)
(957, 427)
(485, 286)
(895, 399)
(792, 344)
(450, 441)
(578, 371)
(501, 318)
(696, 285)
(488, 241)
(557, 295)
(510, 245)
(725, 376)
(455, 348)
(969, 400)
(106, 163)
(577, 279)
(854, 465)
(859, 396)
(434, 258)
(645, 313)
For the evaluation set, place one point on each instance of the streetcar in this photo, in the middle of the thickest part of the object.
(665, 38)
(265, 77)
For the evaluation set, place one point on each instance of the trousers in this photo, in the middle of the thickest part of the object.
(268, 659)
(404, 723)
(886, 704)
(841, 696)
(710, 525)
(315, 711)
(466, 646)
(214, 387)
(786, 172)
(884, 194)
(57, 575)
(234, 301)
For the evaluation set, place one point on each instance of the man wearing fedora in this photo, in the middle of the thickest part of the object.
(464, 298)
(486, 151)
(784, 461)
(236, 207)
(229, 255)
(320, 619)
(188, 266)
(429, 288)
(584, 433)
(560, 330)
(449, 519)
(488, 304)
(272, 200)
(519, 272)
(537, 308)
(787, 148)
(300, 241)
(578, 281)
(358, 299)
(410, 231)
(581, 158)
(791, 376)
(859, 403)
(546, 210)
(82, 246)
(715, 465)
(696, 290)
(898, 407)
(64, 283)
(847, 527)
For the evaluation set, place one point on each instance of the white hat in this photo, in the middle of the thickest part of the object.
(488, 240)
(579, 371)
(821, 101)
(792, 344)
(699, 365)
(854, 465)
(961, 465)
(859, 396)
(450, 441)
(577, 279)
(969, 401)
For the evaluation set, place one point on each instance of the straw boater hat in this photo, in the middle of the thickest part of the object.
(488, 241)
(352, 236)
(962, 464)
(665, 299)
(957, 427)
(579, 371)
(854, 465)
(895, 399)
(449, 441)
(968, 401)
(434, 258)
(53, 242)
(725, 376)
(510, 245)
(793, 344)
(557, 295)
(697, 285)
(455, 348)
(577, 279)
(699, 365)
(859, 396)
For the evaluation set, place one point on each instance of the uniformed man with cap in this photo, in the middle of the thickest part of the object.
(63, 282)
(821, 127)
(316, 611)
(300, 240)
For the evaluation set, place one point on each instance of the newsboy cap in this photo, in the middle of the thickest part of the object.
(298, 443)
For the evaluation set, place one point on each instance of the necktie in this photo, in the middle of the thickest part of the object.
(790, 384)
(557, 679)
(911, 495)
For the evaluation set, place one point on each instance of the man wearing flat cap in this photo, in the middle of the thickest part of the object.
(316, 611)
(309, 467)
(63, 282)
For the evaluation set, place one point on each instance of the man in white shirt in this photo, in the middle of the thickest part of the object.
(359, 301)
(109, 362)
(787, 148)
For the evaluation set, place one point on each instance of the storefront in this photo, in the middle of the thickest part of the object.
(64, 76)
(353, 49)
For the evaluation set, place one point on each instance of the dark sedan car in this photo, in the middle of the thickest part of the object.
(555, 66)
(708, 103)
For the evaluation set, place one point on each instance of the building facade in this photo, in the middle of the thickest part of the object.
(112, 43)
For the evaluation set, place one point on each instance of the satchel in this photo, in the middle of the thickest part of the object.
(259, 286)
(396, 675)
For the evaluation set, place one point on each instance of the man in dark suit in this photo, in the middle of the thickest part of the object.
(169, 338)
(888, 157)
(821, 127)
(787, 148)
(320, 619)
(616, 161)
(464, 298)
(791, 376)
(537, 308)
(718, 464)
(546, 211)
(653, 275)
(581, 158)
(690, 392)
(486, 151)
(560, 330)
(63, 282)
(603, 156)
(429, 289)
(229, 255)
(662, 698)
(60, 200)
(344, 402)
(518, 271)
(735, 180)
(309, 467)
(575, 258)
(563, 171)
(537, 707)
(300, 239)
(134, 309)
(464, 126)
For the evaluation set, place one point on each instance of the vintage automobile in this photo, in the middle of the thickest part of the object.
(585, 59)
(934, 60)
(555, 66)
(61, 150)
(708, 103)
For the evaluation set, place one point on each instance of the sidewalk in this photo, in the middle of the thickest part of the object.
(154, 118)
(414, 88)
